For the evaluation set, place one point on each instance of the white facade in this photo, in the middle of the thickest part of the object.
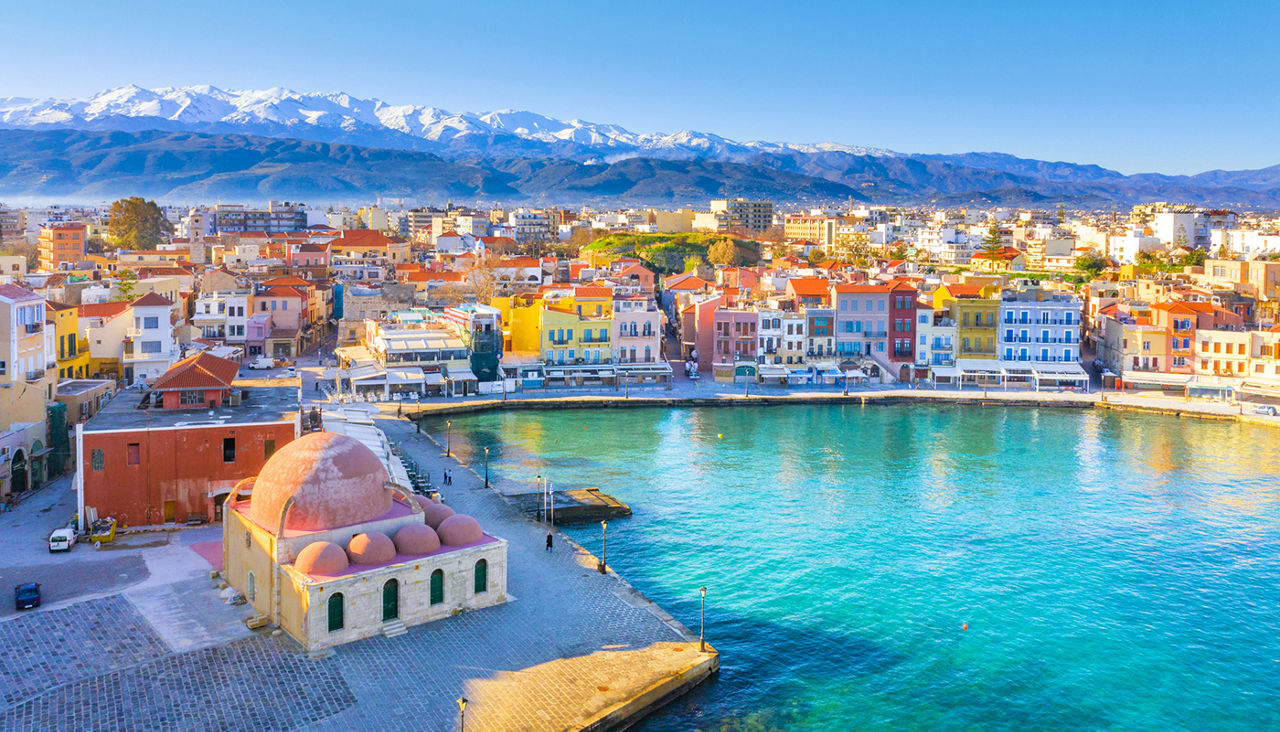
(150, 345)
(1039, 326)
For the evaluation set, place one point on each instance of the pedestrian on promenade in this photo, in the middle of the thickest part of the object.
(548, 541)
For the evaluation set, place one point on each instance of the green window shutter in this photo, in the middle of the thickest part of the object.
(335, 612)
(482, 576)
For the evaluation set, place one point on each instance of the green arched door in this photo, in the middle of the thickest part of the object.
(390, 600)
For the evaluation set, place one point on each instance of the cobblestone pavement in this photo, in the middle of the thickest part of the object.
(257, 684)
(61, 581)
(43, 649)
(560, 608)
(567, 644)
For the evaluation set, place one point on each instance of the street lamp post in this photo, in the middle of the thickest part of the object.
(604, 552)
(702, 624)
(462, 714)
(448, 438)
(486, 467)
(537, 482)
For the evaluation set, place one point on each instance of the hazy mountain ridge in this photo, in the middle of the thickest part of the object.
(202, 142)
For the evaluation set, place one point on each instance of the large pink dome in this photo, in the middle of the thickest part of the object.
(374, 547)
(334, 481)
(459, 530)
(416, 540)
(434, 513)
(322, 558)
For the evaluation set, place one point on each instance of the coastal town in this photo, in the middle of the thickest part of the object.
(236, 379)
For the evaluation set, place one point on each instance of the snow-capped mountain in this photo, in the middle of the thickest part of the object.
(340, 117)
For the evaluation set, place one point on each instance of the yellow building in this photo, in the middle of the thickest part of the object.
(975, 310)
(73, 351)
(562, 325)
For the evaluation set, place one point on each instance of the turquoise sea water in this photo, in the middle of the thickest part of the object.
(1115, 571)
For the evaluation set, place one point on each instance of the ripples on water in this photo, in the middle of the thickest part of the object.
(1114, 570)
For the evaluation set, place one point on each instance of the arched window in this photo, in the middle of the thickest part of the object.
(253, 588)
(482, 576)
(335, 612)
(437, 587)
(390, 600)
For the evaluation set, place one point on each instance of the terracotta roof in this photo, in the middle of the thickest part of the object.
(290, 281)
(518, 262)
(152, 299)
(854, 289)
(809, 286)
(1007, 254)
(102, 309)
(592, 292)
(689, 283)
(201, 371)
(14, 292)
(963, 290)
(433, 276)
(55, 305)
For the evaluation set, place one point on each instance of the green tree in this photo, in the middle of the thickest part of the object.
(1193, 258)
(723, 251)
(126, 282)
(1148, 259)
(992, 241)
(899, 251)
(1091, 263)
(1062, 214)
(135, 223)
(692, 262)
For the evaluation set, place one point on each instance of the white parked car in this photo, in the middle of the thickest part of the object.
(263, 363)
(62, 540)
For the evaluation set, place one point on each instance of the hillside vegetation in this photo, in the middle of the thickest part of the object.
(669, 253)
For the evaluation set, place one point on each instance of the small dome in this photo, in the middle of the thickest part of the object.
(371, 548)
(334, 481)
(423, 501)
(435, 513)
(416, 539)
(459, 530)
(321, 557)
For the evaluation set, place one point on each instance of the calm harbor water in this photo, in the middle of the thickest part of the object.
(1115, 571)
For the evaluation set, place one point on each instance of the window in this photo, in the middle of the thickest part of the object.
(151, 322)
(268, 448)
(133, 452)
(191, 397)
(228, 449)
(437, 587)
(96, 459)
(482, 576)
(336, 619)
(150, 347)
(252, 589)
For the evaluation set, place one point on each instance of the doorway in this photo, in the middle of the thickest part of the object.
(390, 600)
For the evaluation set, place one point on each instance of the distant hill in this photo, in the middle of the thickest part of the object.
(178, 167)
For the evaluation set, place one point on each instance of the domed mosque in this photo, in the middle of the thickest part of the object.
(325, 546)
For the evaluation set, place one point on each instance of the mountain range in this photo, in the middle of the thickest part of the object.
(203, 143)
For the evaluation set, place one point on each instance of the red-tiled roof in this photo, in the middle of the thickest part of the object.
(201, 371)
(857, 289)
(809, 286)
(689, 283)
(151, 299)
(102, 309)
(592, 292)
(14, 292)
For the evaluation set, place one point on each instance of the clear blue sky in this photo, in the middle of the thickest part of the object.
(1171, 87)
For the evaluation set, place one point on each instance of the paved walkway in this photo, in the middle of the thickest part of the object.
(534, 663)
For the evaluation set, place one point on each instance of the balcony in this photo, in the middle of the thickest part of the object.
(32, 328)
(34, 375)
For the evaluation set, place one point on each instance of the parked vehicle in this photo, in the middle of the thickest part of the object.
(61, 540)
(262, 363)
(1266, 409)
(26, 596)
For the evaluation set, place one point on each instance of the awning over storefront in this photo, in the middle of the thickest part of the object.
(463, 374)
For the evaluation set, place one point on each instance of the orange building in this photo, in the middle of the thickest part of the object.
(62, 244)
(176, 451)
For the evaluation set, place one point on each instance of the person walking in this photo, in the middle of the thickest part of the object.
(548, 541)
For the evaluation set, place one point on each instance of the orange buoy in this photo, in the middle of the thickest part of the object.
(965, 626)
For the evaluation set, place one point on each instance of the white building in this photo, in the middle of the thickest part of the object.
(150, 345)
(1040, 326)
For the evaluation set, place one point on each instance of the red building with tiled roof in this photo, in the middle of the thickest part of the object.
(198, 381)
